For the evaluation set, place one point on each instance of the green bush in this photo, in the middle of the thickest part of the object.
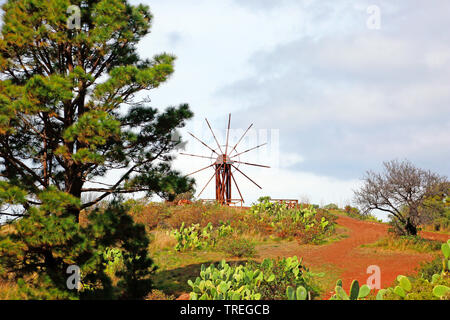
(113, 258)
(356, 214)
(331, 206)
(437, 207)
(428, 269)
(239, 248)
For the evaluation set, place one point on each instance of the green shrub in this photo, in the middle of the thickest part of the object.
(428, 269)
(239, 248)
(113, 261)
(437, 207)
(356, 214)
(331, 206)
(442, 223)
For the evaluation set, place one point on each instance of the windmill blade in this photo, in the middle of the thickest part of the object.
(214, 136)
(228, 133)
(200, 169)
(194, 155)
(208, 182)
(235, 183)
(252, 164)
(246, 176)
(204, 144)
(249, 150)
(241, 138)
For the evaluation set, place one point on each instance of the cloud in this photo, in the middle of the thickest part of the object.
(347, 102)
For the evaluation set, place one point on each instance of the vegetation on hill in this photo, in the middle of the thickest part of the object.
(201, 226)
(403, 243)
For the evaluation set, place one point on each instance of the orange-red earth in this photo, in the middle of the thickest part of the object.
(351, 260)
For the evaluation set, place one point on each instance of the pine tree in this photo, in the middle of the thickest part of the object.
(69, 79)
(68, 112)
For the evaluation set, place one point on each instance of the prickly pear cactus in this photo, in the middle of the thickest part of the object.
(445, 248)
(356, 292)
(441, 291)
(299, 294)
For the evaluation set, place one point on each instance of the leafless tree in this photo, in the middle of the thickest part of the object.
(400, 191)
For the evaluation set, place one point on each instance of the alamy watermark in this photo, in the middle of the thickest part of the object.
(74, 20)
(374, 20)
(74, 280)
(374, 280)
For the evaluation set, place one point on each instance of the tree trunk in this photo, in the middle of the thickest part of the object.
(410, 228)
(74, 190)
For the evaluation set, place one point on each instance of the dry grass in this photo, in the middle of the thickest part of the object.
(165, 216)
(8, 290)
(160, 240)
(407, 243)
(159, 295)
(5, 229)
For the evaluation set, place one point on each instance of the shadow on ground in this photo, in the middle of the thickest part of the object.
(174, 281)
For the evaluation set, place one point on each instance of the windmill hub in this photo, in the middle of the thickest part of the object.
(224, 159)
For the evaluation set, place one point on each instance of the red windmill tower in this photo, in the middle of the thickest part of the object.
(226, 162)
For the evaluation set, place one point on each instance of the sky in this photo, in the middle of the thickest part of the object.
(334, 87)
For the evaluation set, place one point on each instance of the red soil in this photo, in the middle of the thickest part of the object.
(349, 259)
(352, 260)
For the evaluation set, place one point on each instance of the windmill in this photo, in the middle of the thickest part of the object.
(225, 163)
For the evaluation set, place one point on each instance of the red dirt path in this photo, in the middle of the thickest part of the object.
(352, 260)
